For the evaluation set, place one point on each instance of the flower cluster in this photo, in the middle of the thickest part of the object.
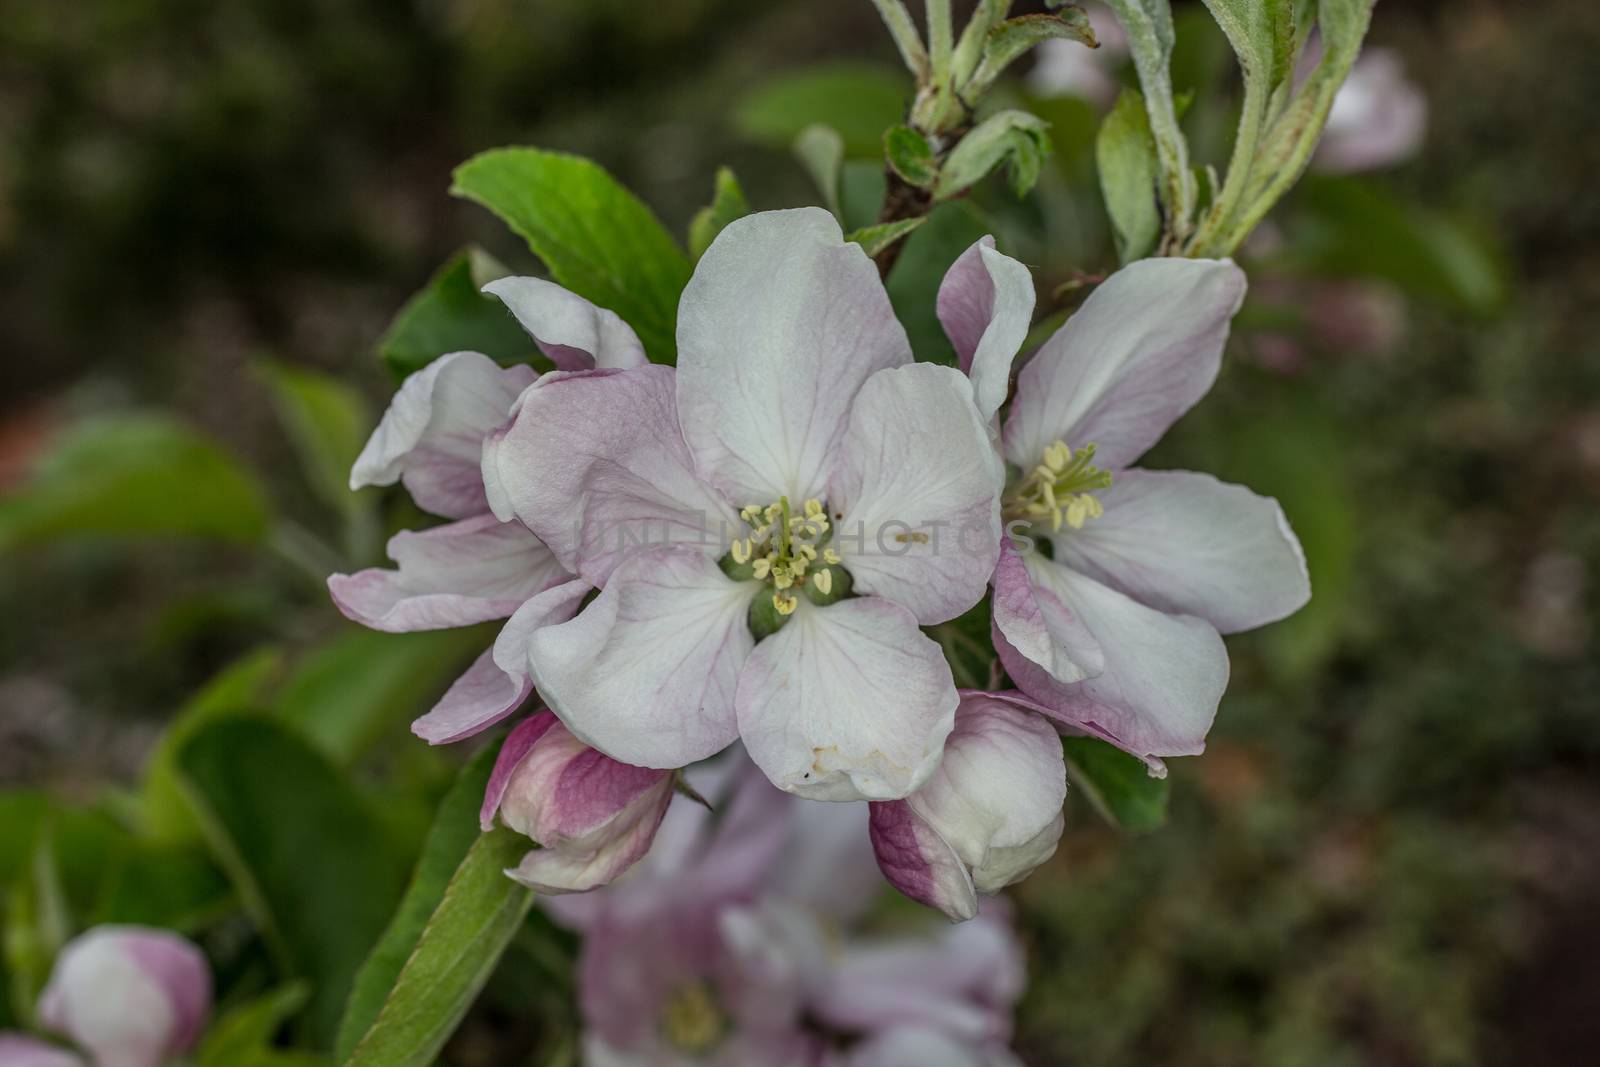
(748, 548)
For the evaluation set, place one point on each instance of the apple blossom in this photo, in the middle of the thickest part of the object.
(476, 568)
(989, 815)
(130, 996)
(593, 816)
(1108, 612)
(728, 509)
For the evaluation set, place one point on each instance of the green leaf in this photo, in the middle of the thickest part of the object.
(910, 156)
(914, 283)
(1117, 784)
(135, 475)
(365, 686)
(455, 828)
(480, 912)
(240, 687)
(596, 237)
(727, 204)
(1008, 40)
(875, 239)
(968, 647)
(1015, 138)
(311, 863)
(862, 187)
(1357, 228)
(175, 887)
(450, 315)
(1125, 152)
(1262, 35)
(821, 152)
(1150, 39)
(38, 924)
(859, 101)
(249, 1029)
(327, 423)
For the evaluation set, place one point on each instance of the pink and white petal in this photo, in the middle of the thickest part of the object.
(778, 328)
(847, 702)
(481, 697)
(1038, 626)
(577, 866)
(918, 486)
(985, 305)
(551, 607)
(18, 1050)
(431, 436)
(453, 575)
(1188, 544)
(513, 750)
(1164, 674)
(646, 673)
(594, 463)
(1143, 349)
(919, 862)
(574, 333)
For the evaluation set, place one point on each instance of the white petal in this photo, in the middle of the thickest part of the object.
(646, 672)
(1164, 674)
(574, 333)
(919, 489)
(1188, 544)
(432, 435)
(1141, 351)
(847, 702)
(778, 328)
(1038, 625)
(594, 463)
(453, 575)
(985, 305)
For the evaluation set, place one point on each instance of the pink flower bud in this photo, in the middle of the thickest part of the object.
(986, 818)
(130, 996)
(594, 817)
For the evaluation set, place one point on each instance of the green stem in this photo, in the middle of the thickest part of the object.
(904, 31)
(1241, 164)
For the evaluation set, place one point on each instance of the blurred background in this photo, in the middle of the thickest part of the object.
(210, 212)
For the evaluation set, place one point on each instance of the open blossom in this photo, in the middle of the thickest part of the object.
(1378, 117)
(726, 509)
(989, 815)
(1109, 611)
(737, 941)
(476, 568)
(129, 996)
(593, 816)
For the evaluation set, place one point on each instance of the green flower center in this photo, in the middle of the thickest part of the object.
(691, 1020)
(790, 554)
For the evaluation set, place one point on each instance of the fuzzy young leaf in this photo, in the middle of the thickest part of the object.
(1125, 152)
(1262, 35)
(133, 475)
(1150, 39)
(450, 314)
(874, 239)
(1009, 40)
(910, 156)
(596, 238)
(820, 151)
(455, 828)
(1014, 138)
(1117, 784)
(727, 204)
(480, 911)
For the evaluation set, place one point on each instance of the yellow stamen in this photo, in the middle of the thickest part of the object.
(823, 580)
(785, 603)
(741, 550)
(830, 557)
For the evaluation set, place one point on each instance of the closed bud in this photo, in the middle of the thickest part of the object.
(129, 996)
(987, 817)
(592, 816)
